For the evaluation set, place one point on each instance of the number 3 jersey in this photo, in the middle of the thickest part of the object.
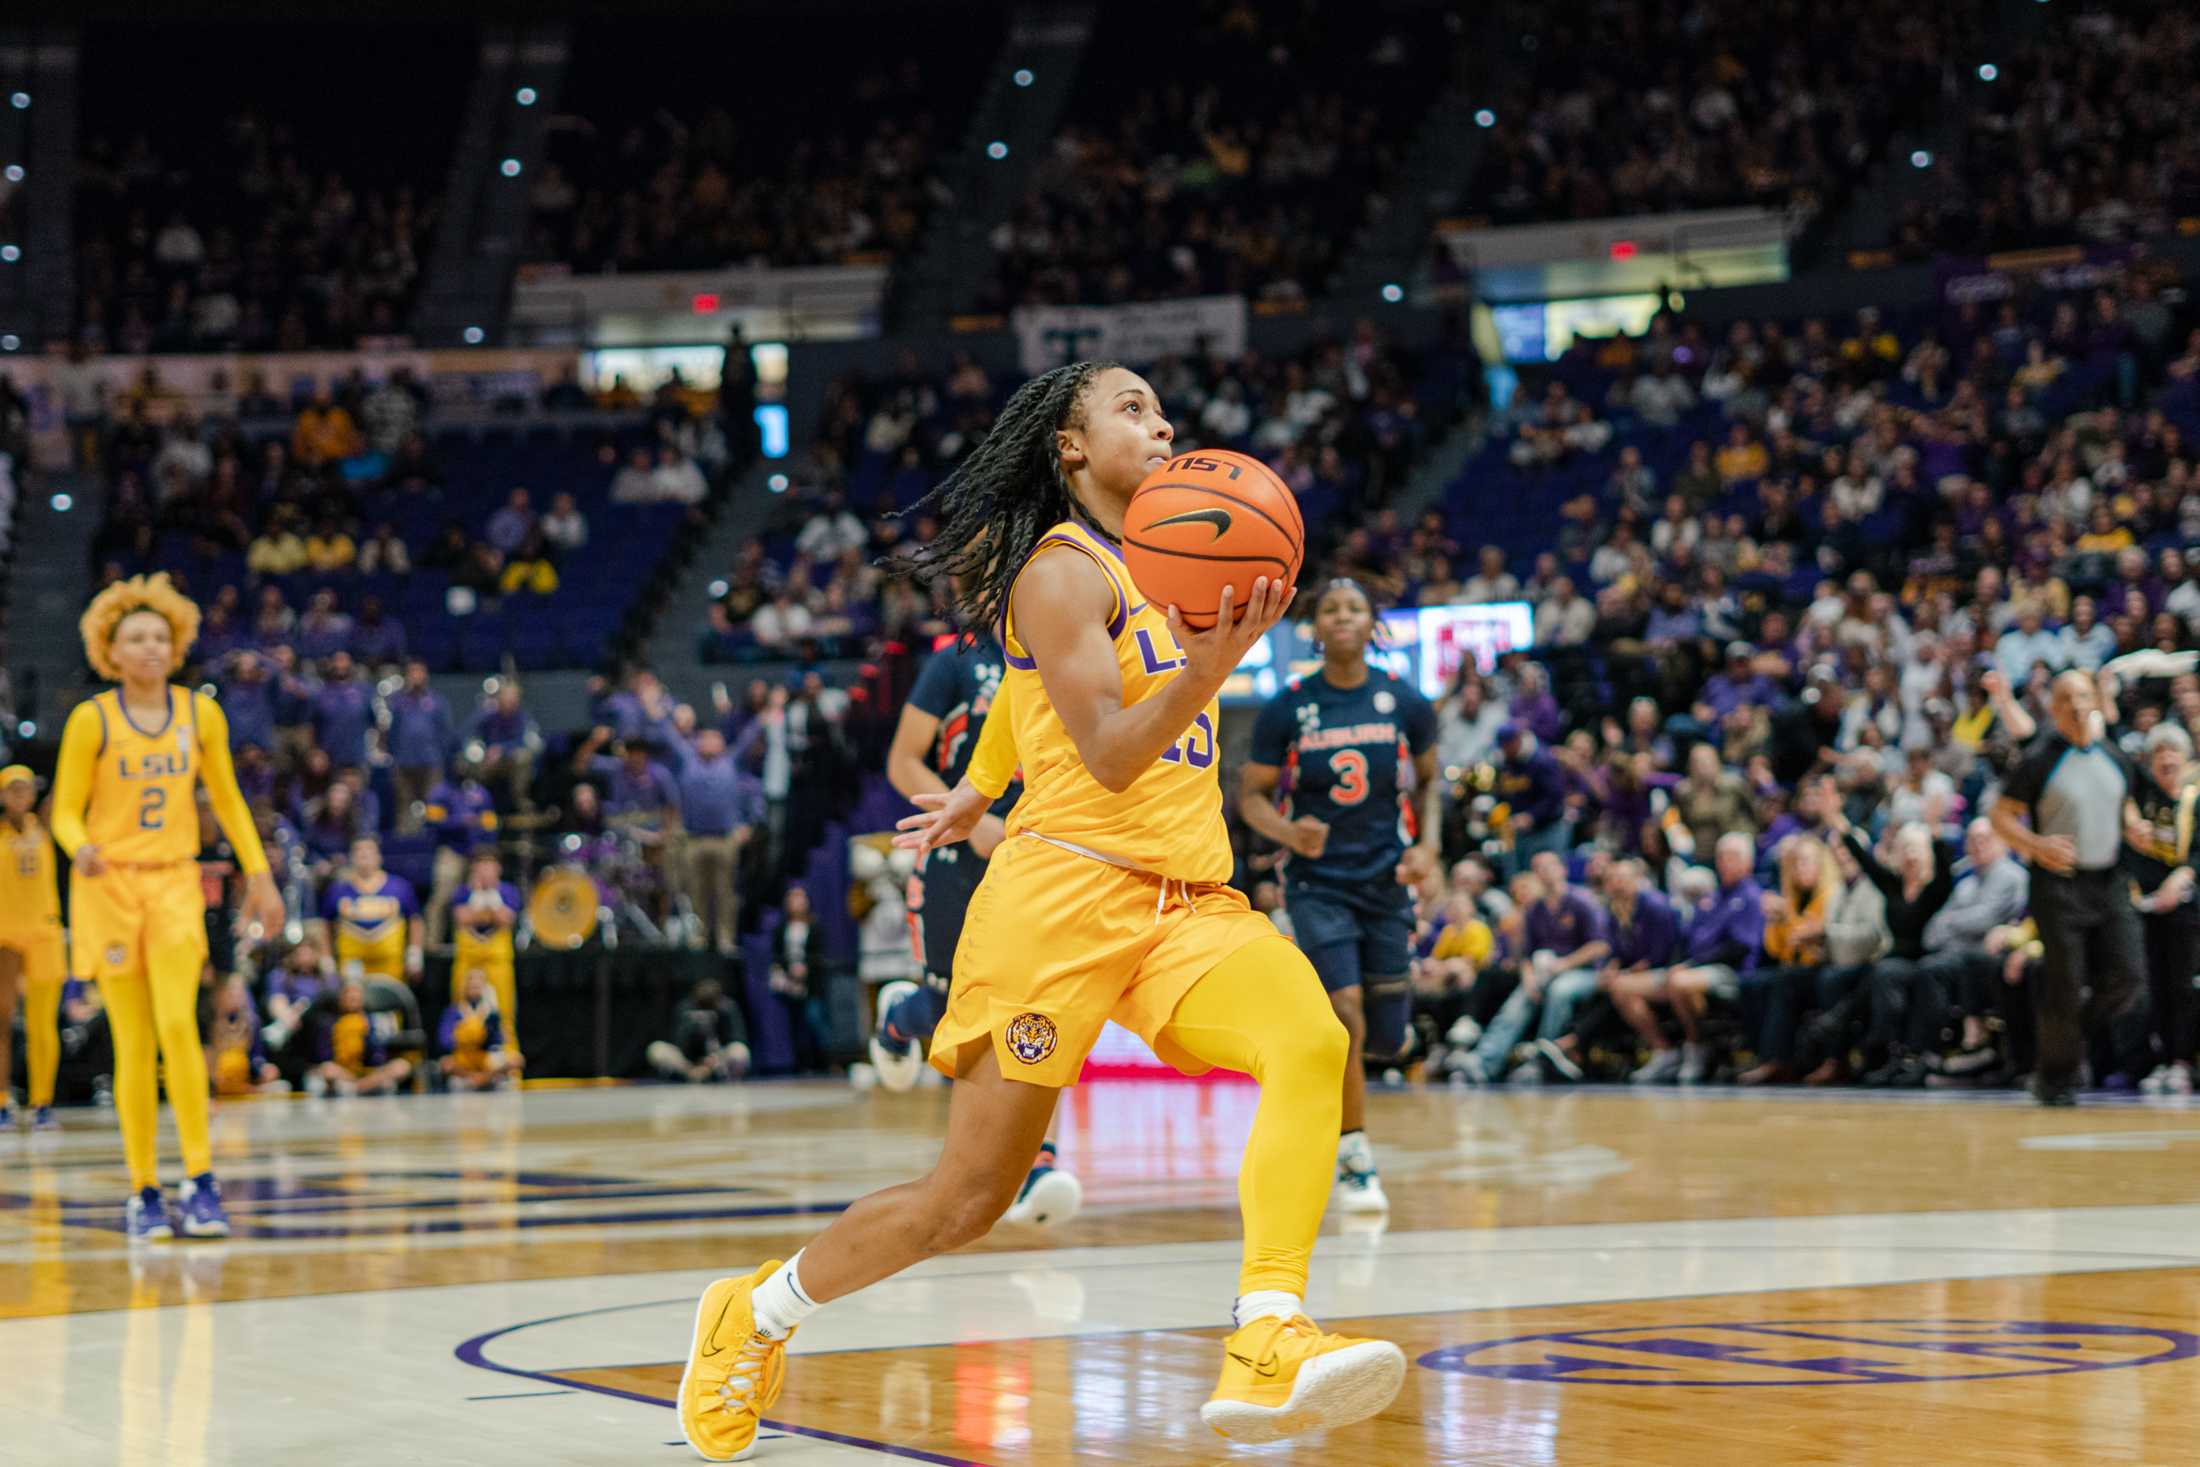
(1343, 753)
(1169, 821)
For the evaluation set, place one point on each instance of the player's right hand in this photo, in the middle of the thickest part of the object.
(1214, 654)
(88, 861)
(1309, 837)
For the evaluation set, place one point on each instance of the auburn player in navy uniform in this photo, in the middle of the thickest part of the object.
(931, 753)
(1337, 744)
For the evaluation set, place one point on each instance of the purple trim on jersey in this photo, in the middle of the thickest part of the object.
(147, 733)
(1122, 615)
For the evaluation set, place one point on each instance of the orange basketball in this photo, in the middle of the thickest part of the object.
(1207, 520)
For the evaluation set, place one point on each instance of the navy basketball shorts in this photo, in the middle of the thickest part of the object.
(1351, 935)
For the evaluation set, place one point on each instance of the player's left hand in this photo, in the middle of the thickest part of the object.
(263, 907)
(942, 819)
(1416, 866)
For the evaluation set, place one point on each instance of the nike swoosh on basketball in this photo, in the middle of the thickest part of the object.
(1219, 518)
(1267, 1365)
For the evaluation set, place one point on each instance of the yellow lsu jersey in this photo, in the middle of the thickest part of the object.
(143, 809)
(1170, 819)
(30, 897)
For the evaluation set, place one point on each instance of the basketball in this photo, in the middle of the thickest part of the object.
(1207, 520)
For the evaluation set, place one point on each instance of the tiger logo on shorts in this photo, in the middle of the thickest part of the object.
(1030, 1037)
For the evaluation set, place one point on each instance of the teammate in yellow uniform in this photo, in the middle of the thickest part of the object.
(31, 959)
(125, 809)
(1109, 898)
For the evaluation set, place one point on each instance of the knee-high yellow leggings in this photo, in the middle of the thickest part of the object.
(159, 1011)
(1262, 1012)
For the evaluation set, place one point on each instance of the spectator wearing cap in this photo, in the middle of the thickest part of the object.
(1533, 788)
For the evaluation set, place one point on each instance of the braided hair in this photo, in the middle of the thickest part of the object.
(1000, 500)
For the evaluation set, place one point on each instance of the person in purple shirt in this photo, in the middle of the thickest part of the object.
(640, 710)
(323, 630)
(509, 526)
(1674, 620)
(417, 732)
(721, 804)
(463, 816)
(219, 635)
(509, 742)
(343, 711)
(376, 639)
(1725, 938)
(1528, 781)
(1565, 941)
(1740, 685)
(248, 698)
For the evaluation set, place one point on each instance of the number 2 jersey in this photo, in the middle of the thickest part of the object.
(1343, 753)
(1169, 821)
(131, 791)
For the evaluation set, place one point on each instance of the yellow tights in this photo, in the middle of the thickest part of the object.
(1262, 1012)
(160, 1012)
(41, 1040)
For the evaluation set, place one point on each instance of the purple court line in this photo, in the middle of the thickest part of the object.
(470, 1352)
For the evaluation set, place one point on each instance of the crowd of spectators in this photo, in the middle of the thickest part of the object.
(2079, 135)
(1790, 638)
(1241, 158)
(246, 247)
(209, 219)
(647, 168)
(1642, 107)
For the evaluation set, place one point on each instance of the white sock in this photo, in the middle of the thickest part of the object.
(780, 1302)
(1355, 1153)
(1263, 1302)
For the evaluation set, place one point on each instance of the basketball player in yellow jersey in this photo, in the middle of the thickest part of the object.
(31, 960)
(1108, 898)
(125, 808)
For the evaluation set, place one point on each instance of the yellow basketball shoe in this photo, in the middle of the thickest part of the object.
(1281, 1377)
(734, 1375)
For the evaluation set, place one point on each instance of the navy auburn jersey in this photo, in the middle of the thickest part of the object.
(1343, 753)
(957, 685)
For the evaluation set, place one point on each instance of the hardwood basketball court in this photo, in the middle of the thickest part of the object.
(1592, 1277)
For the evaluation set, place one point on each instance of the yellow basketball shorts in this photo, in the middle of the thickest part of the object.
(40, 951)
(118, 920)
(1057, 943)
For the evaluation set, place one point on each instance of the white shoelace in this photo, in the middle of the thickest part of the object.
(745, 1379)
